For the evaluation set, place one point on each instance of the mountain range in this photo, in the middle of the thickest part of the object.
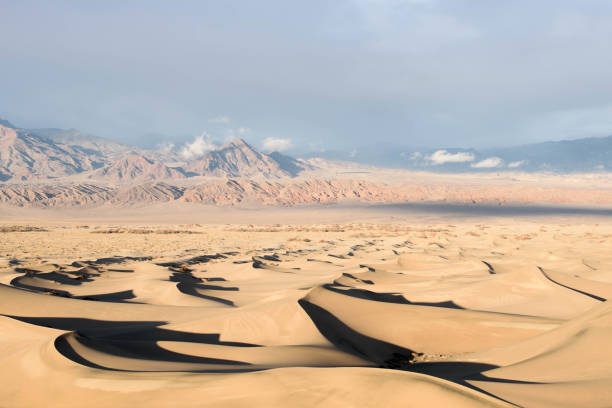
(28, 155)
(69, 155)
(66, 168)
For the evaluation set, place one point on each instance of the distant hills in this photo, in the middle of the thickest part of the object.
(587, 155)
(592, 154)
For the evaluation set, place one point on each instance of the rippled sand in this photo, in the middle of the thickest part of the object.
(399, 313)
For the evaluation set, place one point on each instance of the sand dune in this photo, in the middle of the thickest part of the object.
(357, 314)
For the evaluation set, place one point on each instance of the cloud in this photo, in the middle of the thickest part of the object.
(515, 164)
(244, 130)
(276, 144)
(487, 163)
(443, 157)
(219, 120)
(196, 149)
(353, 153)
(416, 156)
(165, 147)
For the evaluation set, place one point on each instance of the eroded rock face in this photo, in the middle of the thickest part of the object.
(26, 157)
(288, 192)
(239, 159)
(80, 195)
(83, 141)
(134, 167)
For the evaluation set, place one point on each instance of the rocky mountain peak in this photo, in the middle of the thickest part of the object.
(239, 159)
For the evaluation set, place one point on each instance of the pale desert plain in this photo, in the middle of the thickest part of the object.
(333, 306)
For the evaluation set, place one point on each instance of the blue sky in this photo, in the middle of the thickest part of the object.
(316, 74)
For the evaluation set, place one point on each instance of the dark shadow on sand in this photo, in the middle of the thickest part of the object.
(478, 210)
(342, 336)
(386, 297)
(130, 339)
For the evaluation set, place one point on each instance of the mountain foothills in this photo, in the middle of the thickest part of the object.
(68, 168)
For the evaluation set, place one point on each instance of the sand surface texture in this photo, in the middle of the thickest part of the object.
(462, 315)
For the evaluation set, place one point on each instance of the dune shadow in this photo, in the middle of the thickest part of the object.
(66, 350)
(366, 281)
(259, 264)
(450, 370)
(50, 291)
(181, 265)
(55, 277)
(141, 349)
(582, 292)
(386, 297)
(216, 279)
(77, 323)
(131, 339)
(461, 372)
(345, 338)
(189, 285)
(190, 289)
(392, 356)
(116, 260)
(114, 297)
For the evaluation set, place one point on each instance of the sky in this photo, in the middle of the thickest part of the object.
(310, 75)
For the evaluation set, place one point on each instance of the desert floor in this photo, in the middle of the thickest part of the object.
(320, 307)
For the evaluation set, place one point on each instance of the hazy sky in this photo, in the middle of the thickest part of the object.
(315, 74)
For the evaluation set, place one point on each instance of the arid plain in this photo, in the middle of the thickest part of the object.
(305, 307)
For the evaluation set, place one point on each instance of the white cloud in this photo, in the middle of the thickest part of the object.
(411, 156)
(165, 147)
(442, 157)
(515, 164)
(244, 130)
(196, 149)
(416, 156)
(219, 120)
(276, 144)
(487, 163)
(353, 153)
